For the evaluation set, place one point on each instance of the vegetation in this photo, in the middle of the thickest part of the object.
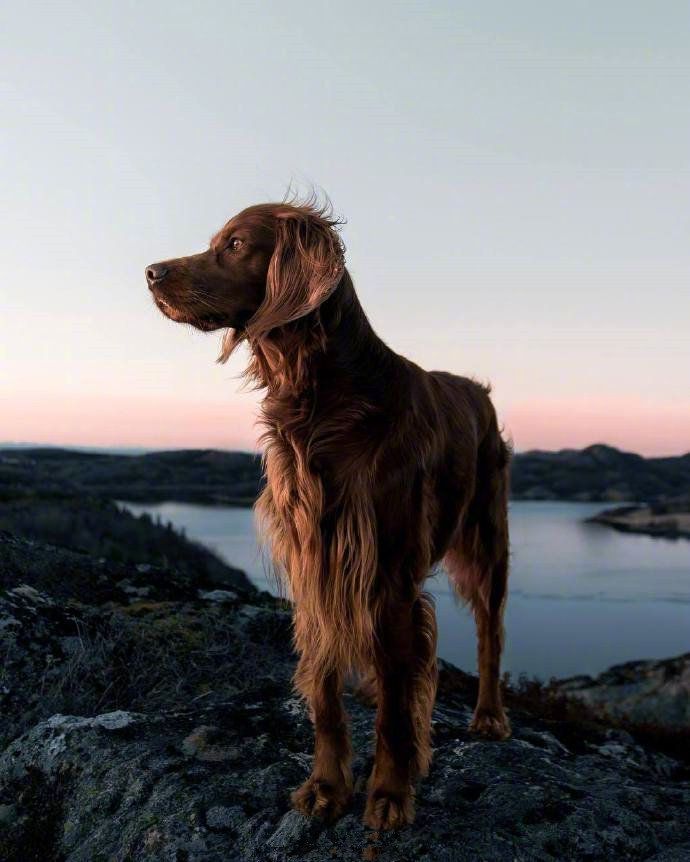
(575, 723)
(145, 657)
(597, 473)
(194, 476)
(103, 530)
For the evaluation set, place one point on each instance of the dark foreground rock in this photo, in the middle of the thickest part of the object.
(213, 784)
(85, 635)
(165, 728)
(639, 691)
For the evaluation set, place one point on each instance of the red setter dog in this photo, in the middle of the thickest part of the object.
(375, 470)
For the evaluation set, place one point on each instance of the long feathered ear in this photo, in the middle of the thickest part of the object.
(305, 268)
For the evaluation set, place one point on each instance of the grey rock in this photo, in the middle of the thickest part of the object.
(171, 732)
(8, 814)
(224, 817)
(293, 829)
(205, 744)
(120, 794)
(641, 691)
(24, 591)
(218, 596)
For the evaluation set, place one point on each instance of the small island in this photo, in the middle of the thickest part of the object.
(669, 519)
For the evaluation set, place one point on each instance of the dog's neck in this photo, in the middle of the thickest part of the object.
(331, 354)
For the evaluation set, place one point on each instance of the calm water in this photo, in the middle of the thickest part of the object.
(582, 596)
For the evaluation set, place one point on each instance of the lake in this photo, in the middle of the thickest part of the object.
(582, 596)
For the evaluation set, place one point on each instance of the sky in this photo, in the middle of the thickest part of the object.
(515, 179)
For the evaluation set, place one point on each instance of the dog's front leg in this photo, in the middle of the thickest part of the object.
(327, 792)
(405, 663)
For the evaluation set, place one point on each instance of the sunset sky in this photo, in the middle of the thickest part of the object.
(515, 179)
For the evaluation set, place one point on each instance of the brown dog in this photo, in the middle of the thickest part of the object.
(375, 470)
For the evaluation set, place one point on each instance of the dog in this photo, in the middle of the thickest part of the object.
(375, 470)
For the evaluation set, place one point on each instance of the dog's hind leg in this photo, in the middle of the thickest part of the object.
(489, 716)
(477, 563)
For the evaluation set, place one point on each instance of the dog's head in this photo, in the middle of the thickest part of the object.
(268, 266)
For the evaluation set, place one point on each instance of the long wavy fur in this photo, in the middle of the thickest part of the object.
(375, 470)
(329, 577)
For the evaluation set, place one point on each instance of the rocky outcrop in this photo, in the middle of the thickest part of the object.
(163, 726)
(212, 783)
(668, 520)
(642, 692)
(85, 635)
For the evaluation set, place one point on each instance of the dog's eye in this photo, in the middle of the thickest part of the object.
(235, 244)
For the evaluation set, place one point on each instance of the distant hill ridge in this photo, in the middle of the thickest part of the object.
(187, 475)
(597, 473)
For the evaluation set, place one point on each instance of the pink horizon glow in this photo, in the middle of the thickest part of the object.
(628, 424)
(513, 189)
(166, 422)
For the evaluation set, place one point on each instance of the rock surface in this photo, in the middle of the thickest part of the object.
(165, 728)
(213, 784)
(640, 691)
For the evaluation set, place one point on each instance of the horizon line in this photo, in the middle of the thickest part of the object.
(145, 450)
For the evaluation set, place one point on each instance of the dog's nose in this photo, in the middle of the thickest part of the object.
(155, 273)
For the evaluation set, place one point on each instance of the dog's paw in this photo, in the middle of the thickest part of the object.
(389, 810)
(491, 725)
(319, 798)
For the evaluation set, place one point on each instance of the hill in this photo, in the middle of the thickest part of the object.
(598, 473)
(189, 475)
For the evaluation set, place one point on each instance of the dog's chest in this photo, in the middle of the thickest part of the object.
(292, 478)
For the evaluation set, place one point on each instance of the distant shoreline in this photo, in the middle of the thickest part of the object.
(596, 474)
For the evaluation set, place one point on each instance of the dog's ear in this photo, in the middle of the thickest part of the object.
(305, 268)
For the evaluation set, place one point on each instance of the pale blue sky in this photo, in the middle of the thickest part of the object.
(515, 178)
